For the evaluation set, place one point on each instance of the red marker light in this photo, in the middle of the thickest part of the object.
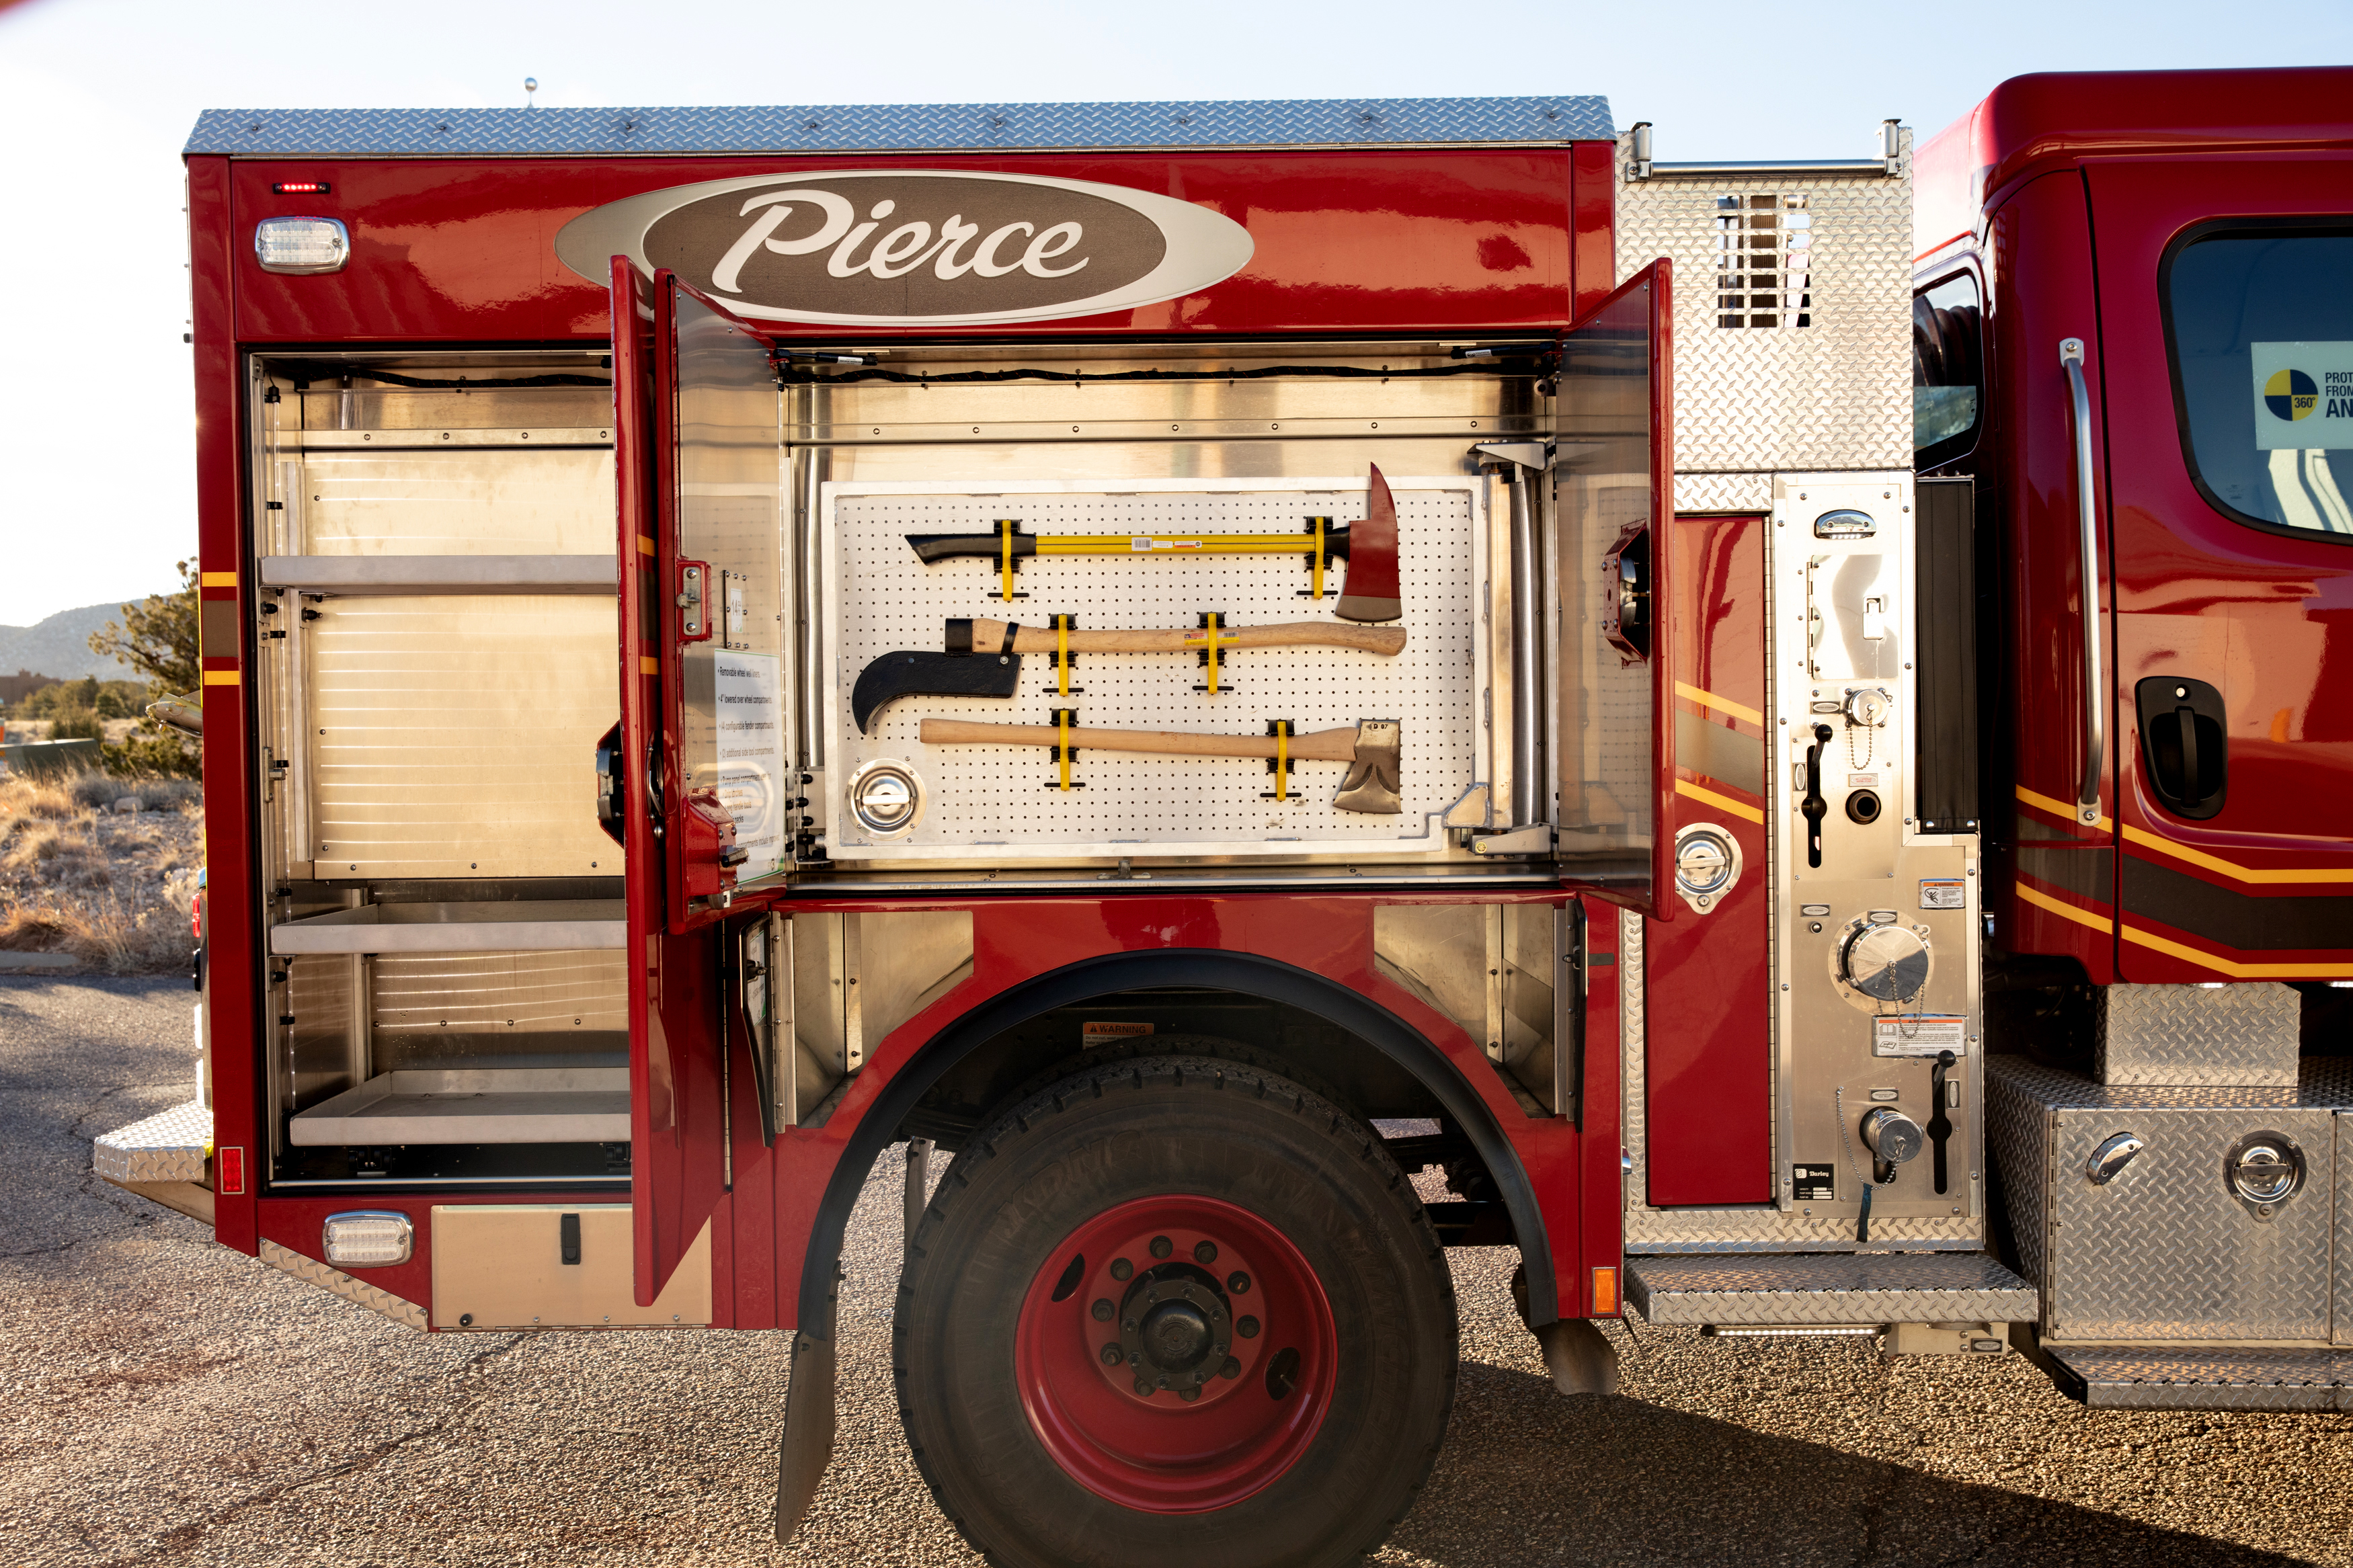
(302, 187)
(229, 1172)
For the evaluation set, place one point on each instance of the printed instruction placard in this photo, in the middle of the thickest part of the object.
(2304, 396)
(747, 699)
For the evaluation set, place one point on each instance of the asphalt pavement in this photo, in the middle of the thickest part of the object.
(167, 1400)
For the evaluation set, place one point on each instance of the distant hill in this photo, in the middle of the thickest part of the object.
(58, 645)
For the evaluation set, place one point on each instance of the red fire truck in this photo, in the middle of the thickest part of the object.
(1213, 661)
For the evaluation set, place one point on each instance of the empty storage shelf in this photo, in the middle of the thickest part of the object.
(546, 926)
(493, 1105)
(386, 574)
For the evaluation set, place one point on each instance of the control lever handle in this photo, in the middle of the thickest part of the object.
(1940, 1126)
(1814, 807)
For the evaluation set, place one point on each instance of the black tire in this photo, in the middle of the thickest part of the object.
(1142, 1128)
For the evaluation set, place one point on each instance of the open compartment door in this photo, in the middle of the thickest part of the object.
(1613, 492)
(650, 768)
(719, 545)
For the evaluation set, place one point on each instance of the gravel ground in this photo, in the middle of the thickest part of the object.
(167, 1400)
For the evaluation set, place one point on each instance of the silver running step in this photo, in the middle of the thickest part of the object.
(2146, 1377)
(1797, 1290)
(169, 1146)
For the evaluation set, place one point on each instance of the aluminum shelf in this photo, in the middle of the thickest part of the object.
(495, 1105)
(549, 926)
(380, 576)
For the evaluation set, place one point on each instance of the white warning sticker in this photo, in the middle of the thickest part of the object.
(1919, 1035)
(2304, 396)
(1942, 893)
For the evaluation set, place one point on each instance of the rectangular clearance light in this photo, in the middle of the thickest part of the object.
(302, 245)
(302, 187)
(368, 1238)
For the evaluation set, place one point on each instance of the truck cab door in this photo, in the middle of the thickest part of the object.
(2226, 329)
(1613, 475)
(693, 782)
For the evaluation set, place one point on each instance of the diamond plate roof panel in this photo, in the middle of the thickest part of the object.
(898, 127)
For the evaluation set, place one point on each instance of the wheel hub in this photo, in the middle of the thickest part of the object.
(1147, 1348)
(1175, 1328)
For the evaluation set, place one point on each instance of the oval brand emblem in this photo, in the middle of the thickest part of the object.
(895, 247)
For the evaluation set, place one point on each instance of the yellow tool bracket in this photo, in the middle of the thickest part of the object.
(1064, 752)
(1007, 527)
(1316, 525)
(1063, 625)
(1212, 648)
(1279, 765)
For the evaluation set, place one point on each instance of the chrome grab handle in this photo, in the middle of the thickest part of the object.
(2087, 527)
(2110, 1158)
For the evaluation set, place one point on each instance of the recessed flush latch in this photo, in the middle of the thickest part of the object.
(2264, 1170)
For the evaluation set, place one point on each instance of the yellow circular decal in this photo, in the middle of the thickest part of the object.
(2291, 394)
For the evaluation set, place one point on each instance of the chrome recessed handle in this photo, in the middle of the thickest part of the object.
(2087, 531)
(2112, 1156)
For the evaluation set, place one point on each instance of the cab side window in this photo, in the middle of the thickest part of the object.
(1947, 370)
(2259, 327)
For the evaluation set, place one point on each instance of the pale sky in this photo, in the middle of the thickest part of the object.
(96, 457)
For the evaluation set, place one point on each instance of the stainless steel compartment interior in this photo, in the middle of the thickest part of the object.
(1239, 438)
(2128, 1215)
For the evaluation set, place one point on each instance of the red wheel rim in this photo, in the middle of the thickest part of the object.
(1160, 1452)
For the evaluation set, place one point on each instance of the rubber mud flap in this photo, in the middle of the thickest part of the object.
(807, 1444)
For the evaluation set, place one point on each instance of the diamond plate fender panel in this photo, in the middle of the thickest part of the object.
(169, 1146)
(2191, 1035)
(1802, 1288)
(336, 1282)
(2119, 1378)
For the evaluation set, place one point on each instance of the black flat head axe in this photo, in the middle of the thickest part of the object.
(1369, 546)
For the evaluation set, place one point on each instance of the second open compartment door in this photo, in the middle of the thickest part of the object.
(1613, 493)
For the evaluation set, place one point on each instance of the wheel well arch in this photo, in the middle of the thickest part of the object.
(1246, 973)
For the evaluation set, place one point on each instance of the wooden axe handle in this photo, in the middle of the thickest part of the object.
(1323, 746)
(990, 636)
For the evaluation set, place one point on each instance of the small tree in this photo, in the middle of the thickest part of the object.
(157, 638)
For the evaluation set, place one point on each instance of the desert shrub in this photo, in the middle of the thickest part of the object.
(166, 794)
(107, 934)
(95, 792)
(77, 724)
(164, 754)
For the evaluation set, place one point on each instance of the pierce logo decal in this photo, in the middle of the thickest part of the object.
(914, 246)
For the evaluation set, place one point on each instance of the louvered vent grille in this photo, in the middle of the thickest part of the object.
(1764, 251)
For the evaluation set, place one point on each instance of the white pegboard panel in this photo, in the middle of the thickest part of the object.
(995, 802)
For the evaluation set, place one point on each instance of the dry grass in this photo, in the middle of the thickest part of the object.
(105, 933)
(110, 889)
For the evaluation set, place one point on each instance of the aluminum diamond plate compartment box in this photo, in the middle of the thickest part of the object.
(2197, 1034)
(2155, 1214)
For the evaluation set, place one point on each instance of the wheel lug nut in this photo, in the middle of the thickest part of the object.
(1144, 1387)
(1103, 1310)
(1231, 1369)
(1111, 1355)
(1121, 1269)
(1247, 1328)
(1164, 1382)
(1204, 1252)
(1188, 1395)
(1161, 1247)
(1238, 1282)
